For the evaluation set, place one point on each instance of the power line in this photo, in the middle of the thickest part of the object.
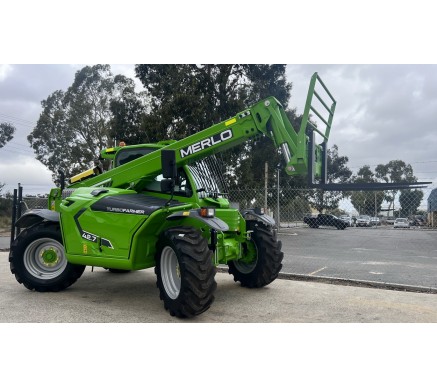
(14, 143)
(20, 149)
(15, 152)
(17, 118)
(414, 162)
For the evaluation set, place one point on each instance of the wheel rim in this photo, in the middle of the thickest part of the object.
(247, 267)
(170, 272)
(45, 258)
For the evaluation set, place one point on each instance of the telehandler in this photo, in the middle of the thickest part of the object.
(159, 207)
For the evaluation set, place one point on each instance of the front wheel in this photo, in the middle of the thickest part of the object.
(185, 272)
(37, 258)
(262, 259)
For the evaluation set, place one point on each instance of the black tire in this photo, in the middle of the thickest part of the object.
(268, 261)
(51, 273)
(185, 272)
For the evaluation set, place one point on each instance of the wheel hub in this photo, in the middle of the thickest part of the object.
(248, 261)
(49, 257)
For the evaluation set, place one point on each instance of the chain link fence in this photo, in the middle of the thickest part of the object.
(370, 251)
(302, 207)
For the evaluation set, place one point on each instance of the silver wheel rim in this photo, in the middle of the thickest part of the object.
(170, 272)
(45, 259)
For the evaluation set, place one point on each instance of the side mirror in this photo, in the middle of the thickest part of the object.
(168, 164)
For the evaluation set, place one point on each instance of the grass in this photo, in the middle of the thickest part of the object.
(5, 224)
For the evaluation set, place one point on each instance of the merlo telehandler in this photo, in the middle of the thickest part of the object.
(158, 206)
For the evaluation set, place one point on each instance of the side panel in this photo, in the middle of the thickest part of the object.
(115, 229)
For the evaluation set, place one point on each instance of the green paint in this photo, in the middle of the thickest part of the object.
(120, 238)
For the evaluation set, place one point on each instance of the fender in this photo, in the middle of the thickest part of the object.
(214, 222)
(35, 216)
(254, 214)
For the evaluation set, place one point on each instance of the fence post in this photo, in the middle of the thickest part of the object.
(20, 198)
(277, 204)
(14, 216)
(266, 175)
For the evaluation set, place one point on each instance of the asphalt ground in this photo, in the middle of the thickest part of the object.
(381, 256)
(103, 297)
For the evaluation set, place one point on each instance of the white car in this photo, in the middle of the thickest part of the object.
(363, 221)
(402, 223)
(375, 221)
(347, 219)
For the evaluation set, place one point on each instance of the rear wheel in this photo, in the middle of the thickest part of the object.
(37, 258)
(262, 260)
(185, 272)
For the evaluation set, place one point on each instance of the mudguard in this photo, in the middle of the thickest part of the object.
(251, 214)
(32, 217)
(214, 223)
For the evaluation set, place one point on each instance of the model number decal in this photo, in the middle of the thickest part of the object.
(207, 143)
(89, 237)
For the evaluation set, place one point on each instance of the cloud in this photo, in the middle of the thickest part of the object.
(32, 175)
(383, 112)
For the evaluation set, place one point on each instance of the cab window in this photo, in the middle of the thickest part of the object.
(182, 187)
(129, 154)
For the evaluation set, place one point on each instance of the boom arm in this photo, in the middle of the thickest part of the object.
(265, 118)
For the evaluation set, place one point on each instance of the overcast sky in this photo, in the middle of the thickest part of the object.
(383, 113)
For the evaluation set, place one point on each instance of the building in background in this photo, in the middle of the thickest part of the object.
(432, 208)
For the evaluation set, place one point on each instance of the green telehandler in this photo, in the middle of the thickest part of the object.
(158, 206)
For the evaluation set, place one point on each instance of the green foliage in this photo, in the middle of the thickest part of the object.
(395, 171)
(76, 125)
(365, 202)
(7, 131)
(410, 202)
(5, 207)
(337, 172)
(188, 98)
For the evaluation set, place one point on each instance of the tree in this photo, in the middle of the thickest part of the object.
(76, 125)
(395, 171)
(188, 98)
(410, 201)
(128, 109)
(337, 172)
(7, 131)
(366, 202)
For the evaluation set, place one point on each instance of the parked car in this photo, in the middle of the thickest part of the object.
(418, 220)
(363, 221)
(325, 220)
(402, 223)
(347, 219)
(390, 220)
(374, 221)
